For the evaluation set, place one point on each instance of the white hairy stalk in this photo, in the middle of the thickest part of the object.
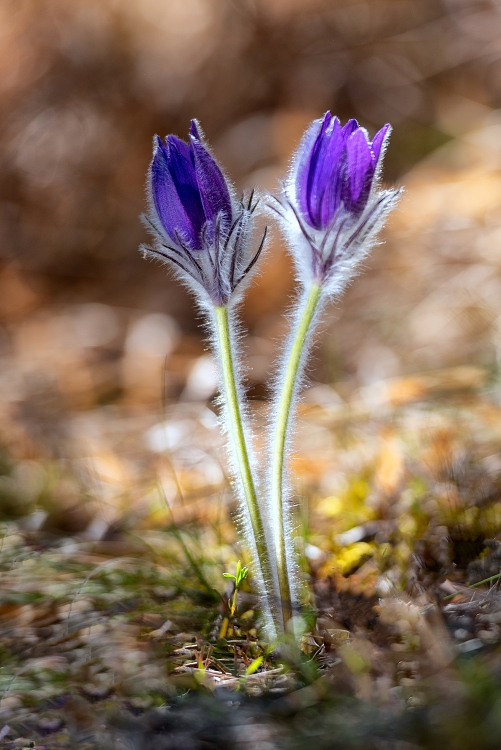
(239, 441)
(283, 412)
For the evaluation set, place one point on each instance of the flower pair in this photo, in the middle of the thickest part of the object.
(330, 208)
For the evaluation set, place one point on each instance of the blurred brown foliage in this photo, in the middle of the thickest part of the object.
(84, 86)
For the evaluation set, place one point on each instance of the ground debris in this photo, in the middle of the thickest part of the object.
(115, 638)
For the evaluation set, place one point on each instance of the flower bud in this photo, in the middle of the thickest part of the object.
(197, 224)
(331, 206)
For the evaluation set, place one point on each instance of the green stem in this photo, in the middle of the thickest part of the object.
(241, 455)
(280, 527)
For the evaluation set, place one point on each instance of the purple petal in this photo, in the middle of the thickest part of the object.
(350, 128)
(168, 204)
(214, 192)
(377, 142)
(335, 164)
(183, 150)
(304, 156)
(359, 162)
(182, 170)
(329, 173)
(317, 170)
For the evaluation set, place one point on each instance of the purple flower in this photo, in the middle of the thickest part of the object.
(197, 223)
(331, 207)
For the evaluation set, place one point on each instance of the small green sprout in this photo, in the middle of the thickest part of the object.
(254, 666)
(239, 577)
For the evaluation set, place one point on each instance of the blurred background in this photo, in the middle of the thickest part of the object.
(91, 335)
(110, 449)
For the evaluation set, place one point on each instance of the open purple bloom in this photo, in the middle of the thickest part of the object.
(331, 207)
(196, 222)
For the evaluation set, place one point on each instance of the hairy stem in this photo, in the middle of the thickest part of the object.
(252, 513)
(281, 522)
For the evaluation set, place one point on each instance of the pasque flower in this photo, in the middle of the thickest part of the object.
(331, 209)
(197, 223)
(204, 232)
(331, 205)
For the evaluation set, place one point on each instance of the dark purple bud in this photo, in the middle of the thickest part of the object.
(197, 224)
